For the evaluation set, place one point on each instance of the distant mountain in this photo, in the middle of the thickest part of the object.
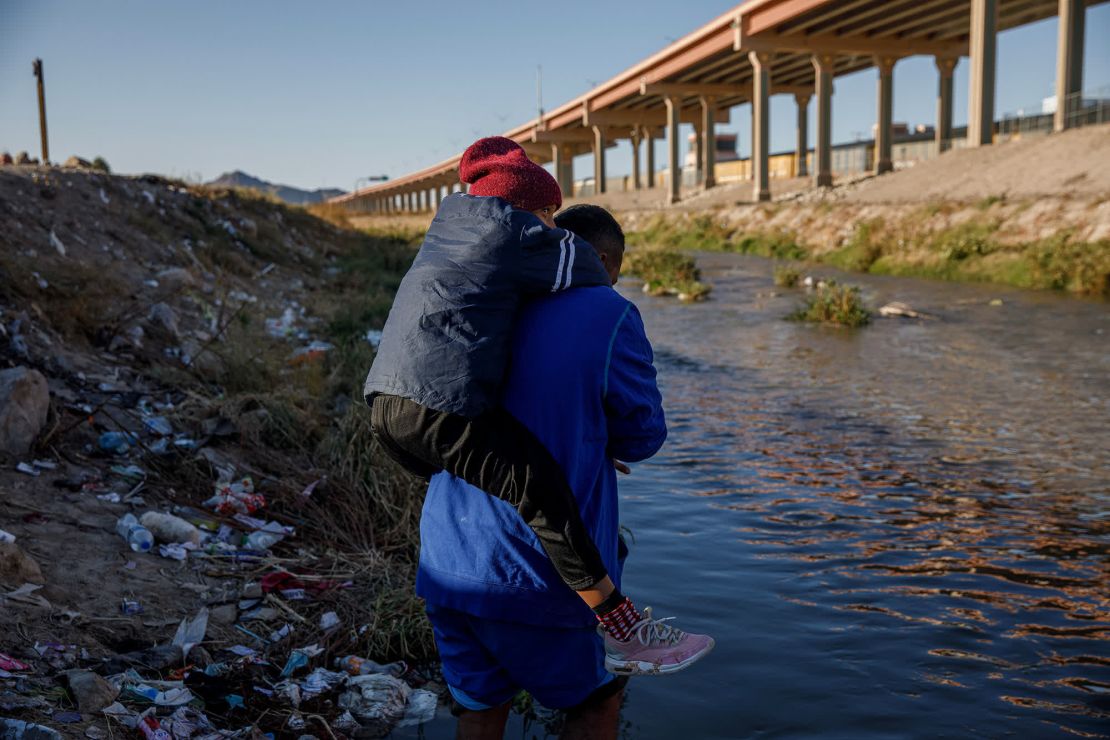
(296, 196)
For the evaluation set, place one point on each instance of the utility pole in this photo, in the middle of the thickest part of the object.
(539, 91)
(37, 68)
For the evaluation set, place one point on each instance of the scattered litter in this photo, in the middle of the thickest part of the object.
(356, 666)
(27, 468)
(191, 632)
(311, 353)
(176, 550)
(104, 197)
(17, 729)
(131, 472)
(186, 722)
(280, 634)
(170, 529)
(130, 607)
(329, 620)
(374, 337)
(995, 302)
(6, 536)
(377, 697)
(118, 443)
(8, 663)
(172, 697)
(236, 497)
(57, 243)
(111, 498)
(134, 534)
(151, 730)
(122, 714)
(66, 718)
(159, 425)
(242, 650)
(421, 708)
(896, 308)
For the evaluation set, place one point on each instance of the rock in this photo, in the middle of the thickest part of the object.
(24, 403)
(176, 278)
(164, 319)
(76, 162)
(17, 567)
(224, 614)
(91, 691)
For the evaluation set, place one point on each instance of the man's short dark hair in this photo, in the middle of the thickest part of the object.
(594, 224)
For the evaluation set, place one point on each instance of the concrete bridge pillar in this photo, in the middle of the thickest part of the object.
(885, 123)
(699, 163)
(822, 151)
(801, 148)
(562, 158)
(761, 123)
(945, 67)
(1069, 62)
(636, 158)
(674, 168)
(984, 53)
(709, 140)
(649, 160)
(599, 160)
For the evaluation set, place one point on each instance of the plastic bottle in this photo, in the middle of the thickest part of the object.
(136, 535)
(357, 666)
(169, 528)
(262, 540)
(117, 442)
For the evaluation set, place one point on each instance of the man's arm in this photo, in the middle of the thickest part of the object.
(633, 404)
(551, 260)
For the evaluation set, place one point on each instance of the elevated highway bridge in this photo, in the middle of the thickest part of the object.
(758, 49)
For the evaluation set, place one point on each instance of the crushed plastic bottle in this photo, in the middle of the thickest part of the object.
(136, 535)
(117, 443)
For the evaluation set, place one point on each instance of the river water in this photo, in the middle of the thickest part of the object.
(898, 531)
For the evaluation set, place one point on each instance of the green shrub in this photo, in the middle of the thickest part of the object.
(963, 241)
(861, 251)
(1078, 267)
(787, 277)
(839, 305)
(666, 272)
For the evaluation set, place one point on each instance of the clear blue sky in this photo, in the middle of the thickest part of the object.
(320, 93)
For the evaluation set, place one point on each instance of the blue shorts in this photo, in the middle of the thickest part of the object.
(486, 663)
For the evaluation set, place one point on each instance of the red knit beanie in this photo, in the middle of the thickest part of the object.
(498, 166)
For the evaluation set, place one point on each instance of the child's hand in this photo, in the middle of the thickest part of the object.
(621, 467)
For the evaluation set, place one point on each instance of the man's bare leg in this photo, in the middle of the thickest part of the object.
(594, 720)
(487, 724)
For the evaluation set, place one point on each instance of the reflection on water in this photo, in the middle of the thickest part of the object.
(927, 502)
(895, 532)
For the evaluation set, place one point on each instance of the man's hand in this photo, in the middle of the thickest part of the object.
(621, 467)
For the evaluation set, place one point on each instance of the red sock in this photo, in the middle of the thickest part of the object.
(620, 620)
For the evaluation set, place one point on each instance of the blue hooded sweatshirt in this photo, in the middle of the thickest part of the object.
(445, 344)
(583, 382)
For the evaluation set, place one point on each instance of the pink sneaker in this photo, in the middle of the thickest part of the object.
(654, 648)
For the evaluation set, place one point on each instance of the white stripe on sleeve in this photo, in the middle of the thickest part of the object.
(570, 261)
(562, 262)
